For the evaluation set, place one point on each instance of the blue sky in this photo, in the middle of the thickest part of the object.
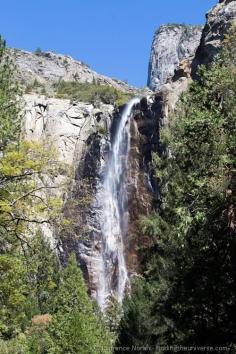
(113, 36)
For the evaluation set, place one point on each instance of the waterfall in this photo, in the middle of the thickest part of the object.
(113, 219)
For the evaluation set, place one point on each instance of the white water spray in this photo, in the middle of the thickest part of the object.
(114, 216)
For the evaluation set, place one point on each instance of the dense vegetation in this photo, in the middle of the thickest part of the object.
(37, 87)
(86, 92)
(82, 92)
(9, 104)
(187, 296)
(44, 308)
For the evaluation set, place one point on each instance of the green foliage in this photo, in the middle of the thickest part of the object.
(38, 51)
(113, 315)
(27, 286)
(76, 328)
(38, 339)
(86, 92)
(65, 63)
(42, 276)
(26, 168)
(101, 130)
(24, 178)
(37, 87)
(9, 99)
(12, 300)
(33, 286)
(187, 296)
(16, 345)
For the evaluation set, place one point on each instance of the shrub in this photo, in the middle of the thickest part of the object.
(38, 51)
(90, 92)
(37, 87)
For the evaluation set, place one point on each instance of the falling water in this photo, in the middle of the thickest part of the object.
(114, 215)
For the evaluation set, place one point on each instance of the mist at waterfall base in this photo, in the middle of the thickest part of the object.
(113, 277)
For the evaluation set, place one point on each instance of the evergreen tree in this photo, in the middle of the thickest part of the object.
(42, 276)
(76, 328)
(13, 292)
(9, 99)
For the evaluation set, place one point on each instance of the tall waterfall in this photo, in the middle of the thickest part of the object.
(114, 214)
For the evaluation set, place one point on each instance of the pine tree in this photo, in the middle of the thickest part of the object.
(9, 98)
(76, 327)
(13, 292)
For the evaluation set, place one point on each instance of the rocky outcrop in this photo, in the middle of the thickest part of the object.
(49, 68)
(66, 124)
(219, 20)
(178, 50)
(171, 45)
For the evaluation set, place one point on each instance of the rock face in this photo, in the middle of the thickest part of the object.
(67, 125)
(219, 20)
(48, 68)
(171, 45)
(84, 206)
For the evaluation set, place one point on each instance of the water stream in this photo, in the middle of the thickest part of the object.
(114, 216)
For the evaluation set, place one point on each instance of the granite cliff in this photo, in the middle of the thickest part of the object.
(182, 48)
(218, 21)
(171, 44)
(49, 68)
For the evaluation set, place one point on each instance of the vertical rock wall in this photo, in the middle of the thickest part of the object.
(171, 45)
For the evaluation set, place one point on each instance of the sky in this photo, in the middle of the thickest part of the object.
(113, 36)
